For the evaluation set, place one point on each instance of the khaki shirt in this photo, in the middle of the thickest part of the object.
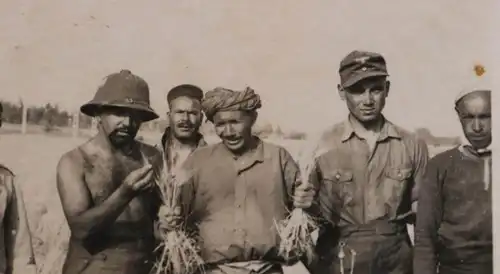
(16, 253)
(358, 185)
(233, 202)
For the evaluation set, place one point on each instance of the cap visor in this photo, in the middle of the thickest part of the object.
(361, 76)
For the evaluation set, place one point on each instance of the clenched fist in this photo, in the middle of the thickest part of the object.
(304, 195)
(169, 217)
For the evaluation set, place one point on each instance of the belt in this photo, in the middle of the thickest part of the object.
(377, 228)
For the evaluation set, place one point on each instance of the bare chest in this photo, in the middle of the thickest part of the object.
(104, 176)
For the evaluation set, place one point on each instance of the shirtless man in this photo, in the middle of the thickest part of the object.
(105, 184)
(16, 251)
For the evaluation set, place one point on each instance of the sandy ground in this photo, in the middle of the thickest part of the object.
(34, 158)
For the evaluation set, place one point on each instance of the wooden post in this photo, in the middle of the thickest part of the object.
(76, 124)
(93, 125)
(24, 120)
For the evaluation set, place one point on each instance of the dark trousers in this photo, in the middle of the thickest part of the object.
(377, 252)
(466, 268)
(129, 258)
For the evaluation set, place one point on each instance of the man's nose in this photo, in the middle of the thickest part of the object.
(368, 97)
(127, 120)
(228, 130)
(476, 125)
(184, 116)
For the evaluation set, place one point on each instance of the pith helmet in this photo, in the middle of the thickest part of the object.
(122, 90)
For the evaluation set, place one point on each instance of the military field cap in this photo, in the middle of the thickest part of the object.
(122, 90)
(359, 65)
(185, 90)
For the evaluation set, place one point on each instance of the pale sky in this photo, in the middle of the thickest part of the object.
(287, 50)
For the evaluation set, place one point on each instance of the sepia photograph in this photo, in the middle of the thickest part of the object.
(247, 137)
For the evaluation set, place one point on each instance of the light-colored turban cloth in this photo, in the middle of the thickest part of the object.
(222, 99)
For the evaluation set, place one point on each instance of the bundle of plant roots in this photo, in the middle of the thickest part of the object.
(295, 230)
(179, 251)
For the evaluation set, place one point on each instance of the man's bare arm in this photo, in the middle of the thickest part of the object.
(83, 217)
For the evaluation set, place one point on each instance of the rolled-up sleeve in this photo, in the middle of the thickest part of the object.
(429, 216)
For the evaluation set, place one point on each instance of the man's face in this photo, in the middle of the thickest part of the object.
(474, 111)
(185, 117)
(120, 125)
(235, 129)
(366, 99)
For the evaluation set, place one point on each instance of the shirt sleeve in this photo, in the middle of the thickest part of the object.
(429, 216)
(291, 175)
(19, 250)
(323, 196)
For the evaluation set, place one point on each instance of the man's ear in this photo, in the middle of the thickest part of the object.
(457, 109)
(254, 117)
(387, 87)
(341, 92)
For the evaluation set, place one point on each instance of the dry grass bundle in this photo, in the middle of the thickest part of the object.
(180, 253)
(295, 231)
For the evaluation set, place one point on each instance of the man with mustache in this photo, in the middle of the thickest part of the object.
(238, 188)
(368, 171)
(454, 222)
(184, 117)
(105, 185)
(16, 255)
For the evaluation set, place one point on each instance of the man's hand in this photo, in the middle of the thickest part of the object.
(169, 218)
(304, 195)
(139, 179)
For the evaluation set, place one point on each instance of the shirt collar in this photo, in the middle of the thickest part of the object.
(388, 130)
(167, 135)
(255, 154)
(468, 150)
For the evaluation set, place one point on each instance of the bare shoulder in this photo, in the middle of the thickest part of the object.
(72, 161)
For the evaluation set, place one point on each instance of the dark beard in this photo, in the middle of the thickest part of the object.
(122, 142)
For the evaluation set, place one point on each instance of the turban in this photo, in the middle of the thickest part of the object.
(222, 99)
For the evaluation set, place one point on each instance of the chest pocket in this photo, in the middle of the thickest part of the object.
(342, 186)
(399, 174)
(394, 186)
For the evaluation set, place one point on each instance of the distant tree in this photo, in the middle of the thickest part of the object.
(278, 132)
(12, 113)
(295, 135)
(263, 130)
